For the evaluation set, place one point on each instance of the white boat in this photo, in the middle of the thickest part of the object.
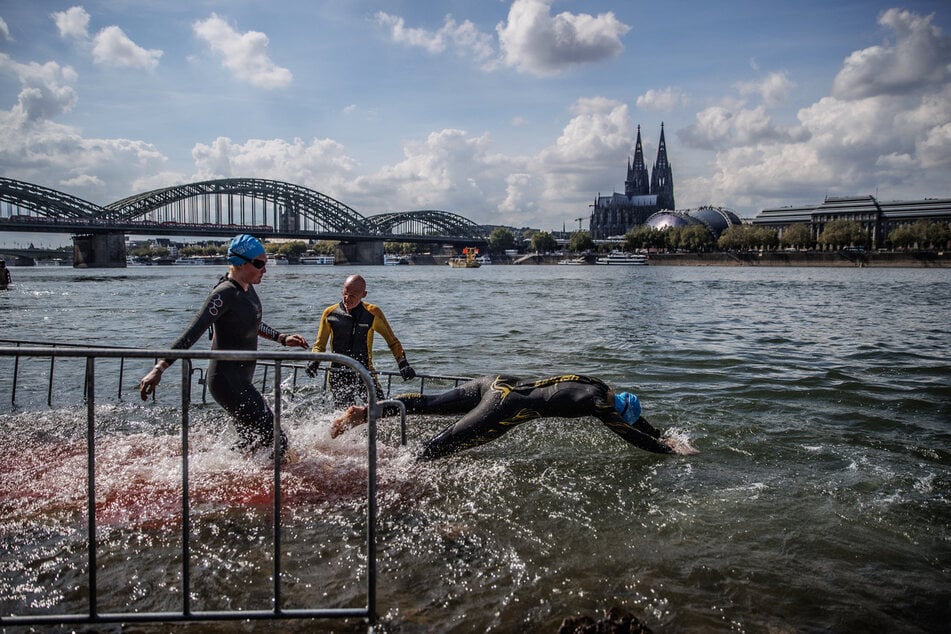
(623, 259)
(191, 260)
(484, 259)
(323, 260)
(391, 259)
(277, 259)
(573, 261)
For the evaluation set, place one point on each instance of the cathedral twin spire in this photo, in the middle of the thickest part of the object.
(661, 180)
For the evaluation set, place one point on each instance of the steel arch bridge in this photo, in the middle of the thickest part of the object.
(243, 201)
(222, 207)
(425, 222)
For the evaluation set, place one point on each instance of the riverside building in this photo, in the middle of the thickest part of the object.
(877, 217)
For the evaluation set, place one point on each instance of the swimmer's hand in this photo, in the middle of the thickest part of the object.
(680, 446)
(296, 341)
(355, 415)
(149, 381)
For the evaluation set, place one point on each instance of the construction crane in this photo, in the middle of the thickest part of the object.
(579, 222)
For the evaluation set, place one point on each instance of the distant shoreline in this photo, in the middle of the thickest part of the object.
(918, 259)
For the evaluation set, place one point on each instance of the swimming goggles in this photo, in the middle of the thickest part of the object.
(258, 264)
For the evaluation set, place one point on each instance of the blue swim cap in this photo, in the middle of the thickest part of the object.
(248, 246)
(628, 406)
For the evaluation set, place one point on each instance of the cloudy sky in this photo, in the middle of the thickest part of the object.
(516, 112)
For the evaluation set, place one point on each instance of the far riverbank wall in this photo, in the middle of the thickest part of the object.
(924, 259)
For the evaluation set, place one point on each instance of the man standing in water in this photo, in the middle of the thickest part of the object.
(5, 279)
(233, 312)
(349, 326)
(492, 405)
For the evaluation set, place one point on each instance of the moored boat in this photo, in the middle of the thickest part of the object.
(467, 261)
(623, 259)
(323, 260)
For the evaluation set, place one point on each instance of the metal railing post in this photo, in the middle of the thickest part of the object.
(277, 445)
(90, 385)
(16, 371)
(186, 500)
(373, 410)
(49, 388)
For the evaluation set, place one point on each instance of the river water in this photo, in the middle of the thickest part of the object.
(820, 400)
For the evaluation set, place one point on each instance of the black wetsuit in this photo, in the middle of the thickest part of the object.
(351, 334)
(4, 277)
(235, 315)
(492, 405)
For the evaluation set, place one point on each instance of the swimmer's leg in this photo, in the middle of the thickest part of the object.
(346, 387)
(458, 400)
(253, 418)
(485, 423)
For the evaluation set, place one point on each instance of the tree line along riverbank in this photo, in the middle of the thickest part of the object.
(916, 259)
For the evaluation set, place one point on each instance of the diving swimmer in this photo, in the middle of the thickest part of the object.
(233, 311)
(493, 404)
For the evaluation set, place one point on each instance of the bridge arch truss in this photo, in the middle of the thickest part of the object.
(45, 202)
(251, 203)
(403, 225)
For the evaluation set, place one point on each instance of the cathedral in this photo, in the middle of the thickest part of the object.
(643, 195)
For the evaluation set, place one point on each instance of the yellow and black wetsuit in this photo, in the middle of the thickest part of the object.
(235, 316)
(351, 334)
(492, 405)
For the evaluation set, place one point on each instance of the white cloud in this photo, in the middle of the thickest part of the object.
(57, 156)
(534, 41)
(113, 47)
(720, 127)
(244, 54)
(72, 23)
(773, 90)
(531, 40)
(450, 169)
(664, 100)
(110, 47)
(321, 164)
(5, 31)
(465, 38)
(46, 89)
(919, 58)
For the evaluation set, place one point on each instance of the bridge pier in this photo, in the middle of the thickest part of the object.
(359, 253)
(99, 251)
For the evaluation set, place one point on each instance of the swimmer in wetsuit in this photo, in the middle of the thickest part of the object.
(349, 326)
(5, 279)
(233, 311)
(492, 405)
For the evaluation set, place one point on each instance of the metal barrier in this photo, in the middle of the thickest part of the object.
(386, 383)
(276, 359)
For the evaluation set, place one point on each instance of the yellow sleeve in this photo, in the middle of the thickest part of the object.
(382, 326)
(323, 331)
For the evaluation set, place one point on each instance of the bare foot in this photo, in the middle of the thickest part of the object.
(355, 415)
